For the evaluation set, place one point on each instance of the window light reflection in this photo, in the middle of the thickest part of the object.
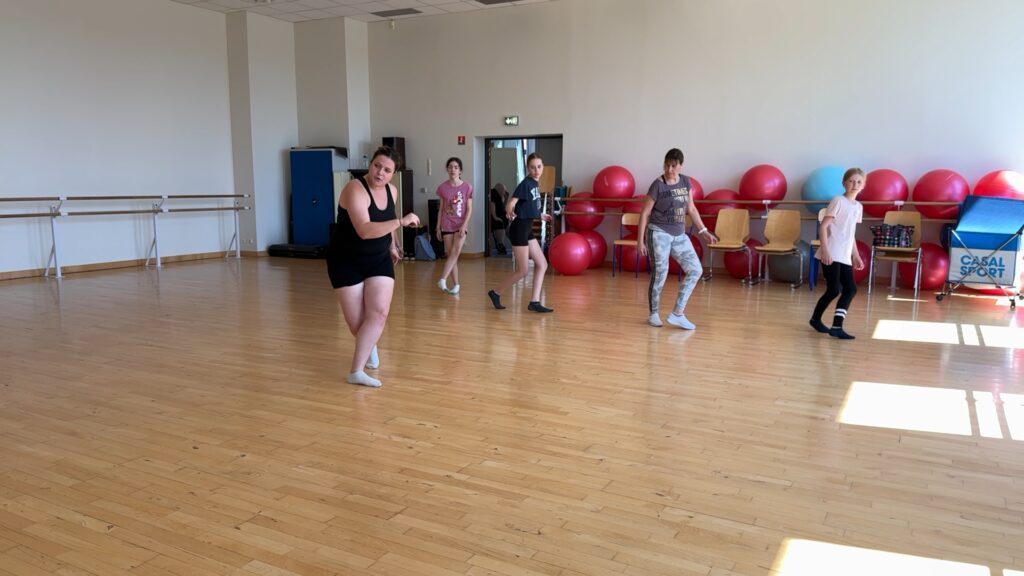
(810, 558)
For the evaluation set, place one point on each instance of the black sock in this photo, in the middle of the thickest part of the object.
(495, 300)
(837, 320)
(536, 306)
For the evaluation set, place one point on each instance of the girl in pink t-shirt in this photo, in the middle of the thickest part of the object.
(453, 221)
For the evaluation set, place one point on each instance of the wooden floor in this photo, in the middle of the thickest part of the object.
(195, 421)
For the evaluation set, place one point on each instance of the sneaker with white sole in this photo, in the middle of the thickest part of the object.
(680, 321)
(654, 320)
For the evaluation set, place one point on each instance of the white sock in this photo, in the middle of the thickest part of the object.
(363, 379)
(454, 290)
(442, 284)
(374, 361)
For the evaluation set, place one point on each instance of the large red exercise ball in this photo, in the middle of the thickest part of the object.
(934, 268)
(696, 190)
(865, 256)
(1001, 184)
(823, 184)
(762, 182)
(594, 212)
(569, 253)
(675, 268)
(883, 185)
(615, 183)
(598, 247)
(940, 186)
(709, 212)
(736, 262)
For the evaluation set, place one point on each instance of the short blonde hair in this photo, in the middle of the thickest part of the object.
(851, 172)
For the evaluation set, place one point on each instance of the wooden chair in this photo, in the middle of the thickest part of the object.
(812, 267)
(628, 219)
(732, 229)
(781, 234)
(899, 255)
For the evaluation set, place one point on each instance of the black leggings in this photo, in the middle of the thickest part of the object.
(838, 282)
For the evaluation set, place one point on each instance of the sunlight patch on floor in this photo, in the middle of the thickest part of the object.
(810, 558)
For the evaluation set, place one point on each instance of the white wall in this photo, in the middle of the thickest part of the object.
(320, 71)
(911, 85)
(272, 89)
(111, 97)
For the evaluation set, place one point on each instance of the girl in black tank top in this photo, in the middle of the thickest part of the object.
(345, 242)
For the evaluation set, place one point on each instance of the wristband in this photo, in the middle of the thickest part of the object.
(702, 230)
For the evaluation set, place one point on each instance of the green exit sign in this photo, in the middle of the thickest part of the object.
(511, 120)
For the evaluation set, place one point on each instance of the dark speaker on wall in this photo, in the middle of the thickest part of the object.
(397, 144)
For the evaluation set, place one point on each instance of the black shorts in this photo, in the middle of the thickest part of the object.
(520, 232)
(349, 271)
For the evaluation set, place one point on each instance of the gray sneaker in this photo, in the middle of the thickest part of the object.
(654, 320)
(681, 321)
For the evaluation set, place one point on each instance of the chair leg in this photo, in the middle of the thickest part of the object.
(636, 264)
(871, 270)
(801, 280)
(892, 279)
(708, 268)
(614, 250)
(916, 276)
(812, 271)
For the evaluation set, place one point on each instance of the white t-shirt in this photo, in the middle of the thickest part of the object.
(846, 214)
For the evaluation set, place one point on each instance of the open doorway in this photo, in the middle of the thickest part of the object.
(506, 164)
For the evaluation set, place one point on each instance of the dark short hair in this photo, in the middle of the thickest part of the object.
(674, 156)
(388, 152)
(532, 157)
(455, 159)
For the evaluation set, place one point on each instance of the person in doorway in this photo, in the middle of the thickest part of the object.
(838, 254)
(662, 234)
(362, 255)
(453, 225)
(522, 209)
(499, 220)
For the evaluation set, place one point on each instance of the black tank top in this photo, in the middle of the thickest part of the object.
(346, 242)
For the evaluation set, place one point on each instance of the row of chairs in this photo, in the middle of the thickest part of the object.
(782, 232)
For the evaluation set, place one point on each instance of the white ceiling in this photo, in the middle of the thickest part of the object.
(302, 10)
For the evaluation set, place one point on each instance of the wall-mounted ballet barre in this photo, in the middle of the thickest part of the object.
(57, 211)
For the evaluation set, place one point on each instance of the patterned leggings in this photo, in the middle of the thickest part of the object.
(661, 246)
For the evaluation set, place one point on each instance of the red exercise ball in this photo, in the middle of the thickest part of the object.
(614, 182)
(696, 190)
(598, 247)
(736, 262)
(674, 267)
(940, 186)
(1001, 184)
(883, 185)
(712, 209)
(934, 268)
(569, 253)
(580, 203)
(762, 182)
(865, 256)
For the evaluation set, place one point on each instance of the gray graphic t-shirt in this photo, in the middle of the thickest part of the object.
(671, 202)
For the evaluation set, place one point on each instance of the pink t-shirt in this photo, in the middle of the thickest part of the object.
(454, 204)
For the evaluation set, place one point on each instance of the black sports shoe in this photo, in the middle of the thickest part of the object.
(538, 307)
(496, 300)
(840, 333)
(818, 325)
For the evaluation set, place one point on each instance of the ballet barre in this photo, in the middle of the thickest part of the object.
(57, 210)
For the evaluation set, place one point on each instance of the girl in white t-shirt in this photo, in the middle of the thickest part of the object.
(838, 253)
